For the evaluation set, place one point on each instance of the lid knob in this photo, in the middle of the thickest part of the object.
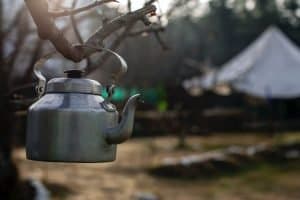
(74, 73)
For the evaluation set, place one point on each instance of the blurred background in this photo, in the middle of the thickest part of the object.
(221, 112)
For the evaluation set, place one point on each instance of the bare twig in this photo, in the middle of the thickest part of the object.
(203, 67)
(150, 29)
(74, 24)
(162, 43)
(150, 2)
(23, 32)
(122, 36)
(79, 10)
(15, 21)
(76, 31)
(129, 5)
(118, 23)
(177, 4)
(19, 88)
(159, 29)
(113, 47)
(48, 30)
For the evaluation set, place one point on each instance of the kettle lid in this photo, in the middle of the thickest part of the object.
(74, 83)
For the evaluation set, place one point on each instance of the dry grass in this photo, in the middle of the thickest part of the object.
(122, 179)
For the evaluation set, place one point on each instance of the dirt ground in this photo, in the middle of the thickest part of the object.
(127, 178)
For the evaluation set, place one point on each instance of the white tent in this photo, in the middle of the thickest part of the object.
(268, 68)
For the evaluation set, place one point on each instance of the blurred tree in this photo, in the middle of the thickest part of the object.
(10, 187)
(221, 31)
(20, 48)
(230, 26)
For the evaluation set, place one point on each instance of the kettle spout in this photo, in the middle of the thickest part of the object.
(123, 130)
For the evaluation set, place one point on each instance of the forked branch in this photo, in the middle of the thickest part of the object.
(48, 30)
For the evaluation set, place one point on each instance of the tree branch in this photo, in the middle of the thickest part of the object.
(150, 29)
(129, 5)
(23, 31)
(118, 23)
(113, 47)
(79, 10)
(162, 43)
(15, 21)
(48, 31)
(74, 25)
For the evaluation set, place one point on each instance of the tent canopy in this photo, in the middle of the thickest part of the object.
(268, 68)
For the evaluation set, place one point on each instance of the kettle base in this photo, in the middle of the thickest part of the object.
(71, 160)
(100, 157)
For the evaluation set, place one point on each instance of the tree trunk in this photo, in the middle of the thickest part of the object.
(9, 177)
(8, 171)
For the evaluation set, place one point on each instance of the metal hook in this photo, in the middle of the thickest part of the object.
(123, 63)
(41, 86)
(110, 92)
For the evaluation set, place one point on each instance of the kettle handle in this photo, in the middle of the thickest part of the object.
(41, 86)
(123, 63)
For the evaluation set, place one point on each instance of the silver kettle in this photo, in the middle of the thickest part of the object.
(72, 122)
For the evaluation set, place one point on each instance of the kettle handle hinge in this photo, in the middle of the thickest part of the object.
(106, 104)
(41, 86)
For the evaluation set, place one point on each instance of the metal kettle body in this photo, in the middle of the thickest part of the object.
(70, 127)
(72, 122)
